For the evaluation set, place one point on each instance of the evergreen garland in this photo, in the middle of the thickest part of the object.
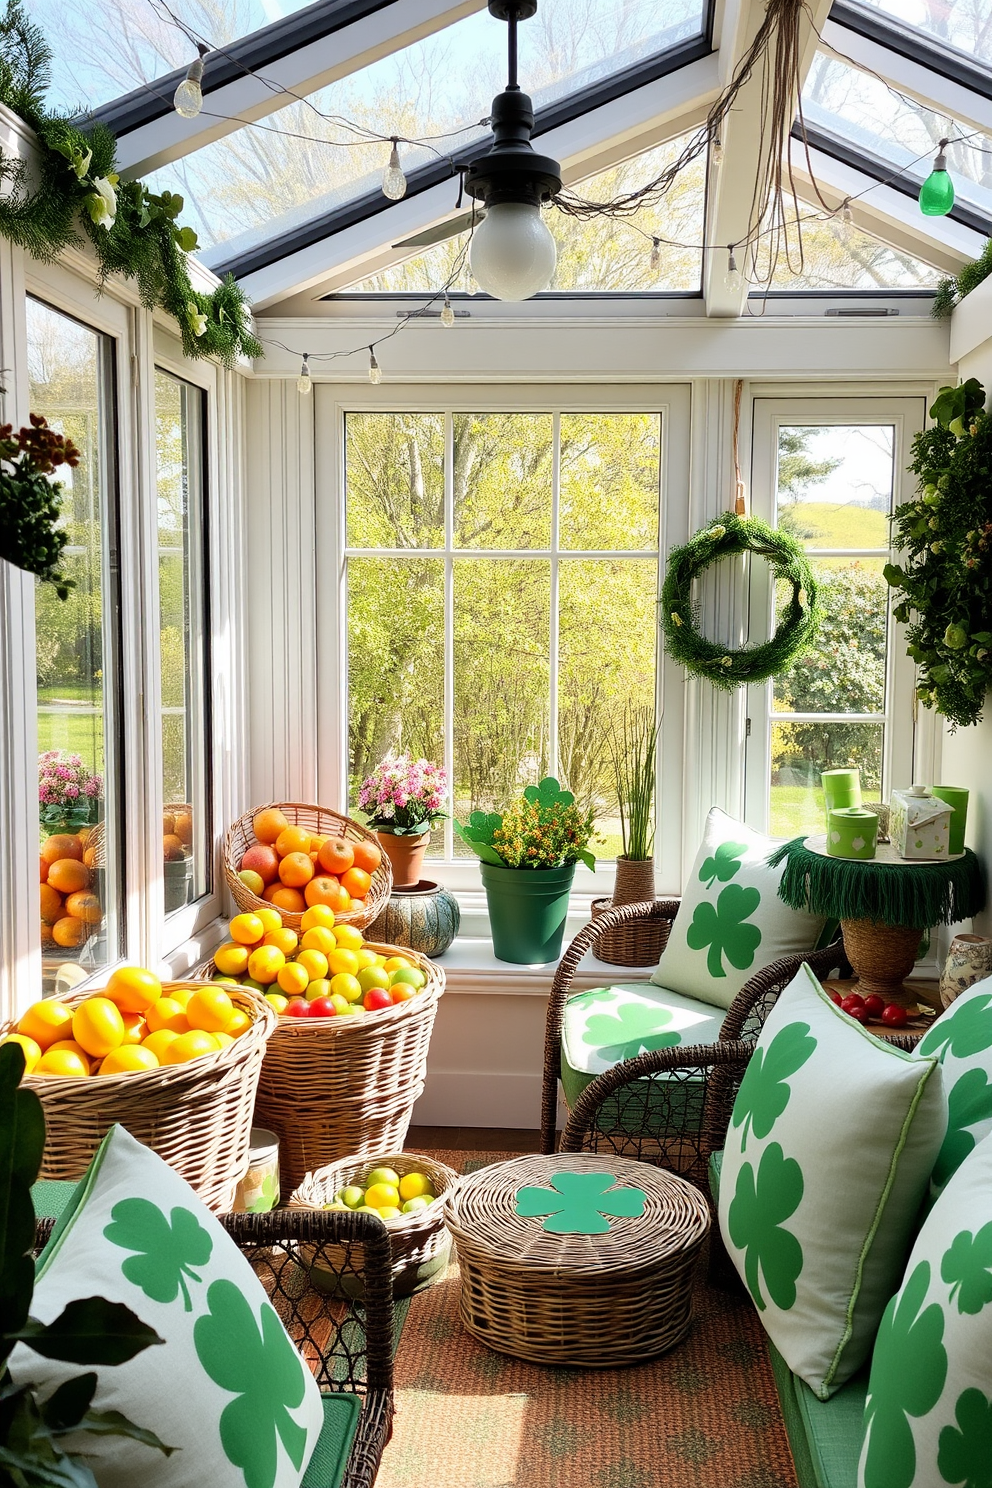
(951, 291)
(135, 233)
(725, 538)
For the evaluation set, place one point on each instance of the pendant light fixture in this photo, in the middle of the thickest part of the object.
(937, 191)
(513, 252)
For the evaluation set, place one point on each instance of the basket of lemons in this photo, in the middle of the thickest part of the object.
(406, 1190)
(177, 1063)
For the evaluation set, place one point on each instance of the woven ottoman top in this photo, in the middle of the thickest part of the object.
(639, 1214)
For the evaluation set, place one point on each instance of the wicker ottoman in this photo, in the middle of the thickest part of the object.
(596, 1300)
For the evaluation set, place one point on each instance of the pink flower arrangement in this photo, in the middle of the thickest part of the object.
(63, 778)
(404, 794)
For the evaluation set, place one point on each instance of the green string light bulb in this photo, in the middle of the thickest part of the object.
(937, 191)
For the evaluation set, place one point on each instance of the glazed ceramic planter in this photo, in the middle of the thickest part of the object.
(527, 910)
(425, 918)
(405, 851)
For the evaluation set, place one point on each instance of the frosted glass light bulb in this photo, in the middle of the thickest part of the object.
(375, 371)
(655, 255)
(188, 97)
(846, 213)
(447, 314)
(717, 151)
(513, 253)
(393, 179)
(733, 279)
(304, 383)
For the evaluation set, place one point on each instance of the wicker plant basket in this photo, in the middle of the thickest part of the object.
(420, 1242)
(319, 821)
(336, 1088)
(639, 942)
(197, 1116)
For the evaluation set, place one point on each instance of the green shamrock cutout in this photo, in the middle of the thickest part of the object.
(548, 793)
(969, 1102)
(968, 1029)
(478, 832)
(723, 864)
(763, 1093)
(577, 1203)
(632, 1029)
(167, 1252)
(754, 1221)
(263, 1371)
(268, 1196)
(964, 1452)
(908, 1370)
(723, 930)
(967, 1268)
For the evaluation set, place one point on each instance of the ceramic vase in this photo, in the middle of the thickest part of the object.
(405, 851)
(425, 918)
(969, 960)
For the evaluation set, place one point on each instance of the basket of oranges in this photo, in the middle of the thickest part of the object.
(294, 856)
(176, 1063)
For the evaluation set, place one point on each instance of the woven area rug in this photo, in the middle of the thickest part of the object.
(704, 1416)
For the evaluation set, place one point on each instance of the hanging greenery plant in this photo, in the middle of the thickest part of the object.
(944, 584)
(727, 537)
(75, 191)
(30, 511)
(951, 292)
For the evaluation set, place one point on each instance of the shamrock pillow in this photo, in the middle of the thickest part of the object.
(228, 1390)
(961, 1038)
(829, 1151)
(731, 922)
(928, 1415)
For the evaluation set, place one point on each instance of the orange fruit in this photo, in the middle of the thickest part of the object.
(287, 940)
(319, 939)
(295, 870)
(84, 906)
(190, 1046)
(184, 828)
(349, 938)
(51, 904)
(292, 840)
(357, 882)
(268, 824)
(270, 918)
(367, 855)
(231, 959)
(129, 1059)
(47, 938)
(61, 845)
(135, 1028)
(318, 915)
(168, 1014)
(340, 900)
(89, 857)
(69, 875)
(158, 1042)
(44, 871)
(97, 1026)
(285, 898)
(133, 989)
(69, 932)
(172, 849)
(31, 1050)
(265, 963)
(181, 995)
(316, 843)
(313, 963)
(83, 835)
(168, 823)
(343, 961)
(336, 855)
(246, 929)
(64, 1063)
(321, 892)
(239, 1024)
(45, 1022)
(210, 1009)
(293, 978)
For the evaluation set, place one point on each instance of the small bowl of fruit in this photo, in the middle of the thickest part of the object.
(406, 1190)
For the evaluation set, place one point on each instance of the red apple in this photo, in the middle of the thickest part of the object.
(895, 1016)
(262, 860)
(376, 999)
(322, 1007)
(874, 1005)
(835, 998)
(298, 1008)
(854, 1007)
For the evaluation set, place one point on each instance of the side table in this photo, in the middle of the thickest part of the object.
(596, 1300)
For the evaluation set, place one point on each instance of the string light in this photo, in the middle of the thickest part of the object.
(188, 97)
(375, 371)
(304, 383)
(937, 191)
(447, 313)
(655, 264)
(717, 151)
(846, 212)
(393, 179)
(733, 279)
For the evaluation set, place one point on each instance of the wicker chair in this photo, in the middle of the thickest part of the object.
(670, 1106)
(349, 1345)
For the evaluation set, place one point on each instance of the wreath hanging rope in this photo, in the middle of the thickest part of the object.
(727, 537)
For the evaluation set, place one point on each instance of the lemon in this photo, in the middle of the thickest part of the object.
(349, 937)
(128, 1059)
(381, 1195)
(167, 1013)
(63, 1063)
(45, 1022)
(210, 1010)
(159, 1042)
(265, 963)
(383, 1175)
(247, 929)
(389, 1211)
(239, 1024)
(416, 1206)
(415, 1186)
(190, 1046)
(318, 916)
(32, 1052)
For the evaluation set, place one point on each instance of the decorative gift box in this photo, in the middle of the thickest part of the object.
(919, 824)
(852, 832)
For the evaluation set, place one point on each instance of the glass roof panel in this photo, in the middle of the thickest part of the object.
(862, 112)
(602, 254)
(965, 25)
(303, 160)
(107, 47)
(837, 255)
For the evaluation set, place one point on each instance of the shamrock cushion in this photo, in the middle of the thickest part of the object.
(928, 1416)
(228, 1390)
(961, 1038)
(828, 1155)
(731, 922)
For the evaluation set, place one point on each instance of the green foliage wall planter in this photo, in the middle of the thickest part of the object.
(527, 910)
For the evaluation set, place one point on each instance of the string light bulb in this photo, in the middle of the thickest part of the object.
(188, 97)
(937, 191)
(304, 383)
(447, 314)
(733, 279)
(393, 179)
(375, 371)
(655, 255)
(717, 151)
(846, 214)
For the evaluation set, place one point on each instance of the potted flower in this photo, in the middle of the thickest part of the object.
(402, 800)
(631, 742)
(528, 857)
(69, 794)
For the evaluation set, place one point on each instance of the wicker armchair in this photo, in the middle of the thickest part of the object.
(348, 1344)
(671, 1106)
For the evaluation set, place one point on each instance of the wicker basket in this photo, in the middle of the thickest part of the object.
(335, 1088)
(420, 1242)
(98, 836)
(197, 1116)
(638, 943)
(319, 821)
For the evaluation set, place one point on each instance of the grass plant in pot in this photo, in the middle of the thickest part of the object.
(528, 857)
(402, 801)
(632, 744)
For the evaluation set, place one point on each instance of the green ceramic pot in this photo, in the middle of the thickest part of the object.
(527, 910)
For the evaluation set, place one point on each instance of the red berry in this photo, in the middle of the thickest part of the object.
(298, 1008)
(376, 999)
(875, 1005)
(322, 1007)
(895, 1016)
(835, 998)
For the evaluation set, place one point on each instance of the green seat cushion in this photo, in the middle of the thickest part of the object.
(961, 1038)
(825, 1435)
(50, 1197)
(716, 1168)
(330, 1456)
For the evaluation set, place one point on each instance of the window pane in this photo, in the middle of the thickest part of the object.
(835, 484)
(502, 480)
(965, 25)
(395, 480)
(800, 751)
(609, 480)
(182, 640)
(502, 619)
(395, 661)
(845, 673)
(70, 385)
(837, 255)
(607, 629)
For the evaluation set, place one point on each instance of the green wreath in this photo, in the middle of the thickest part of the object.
(797, 627)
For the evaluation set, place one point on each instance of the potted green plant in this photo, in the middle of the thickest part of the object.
(631, 743)
(528, 857)
(31, 534)
(402, 800)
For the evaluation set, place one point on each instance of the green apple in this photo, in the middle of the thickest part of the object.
(411, 975)
(351, 1197)
(253, 881)
(373, 976)
(415, 1206)
(341, 1003)
(383, 1175)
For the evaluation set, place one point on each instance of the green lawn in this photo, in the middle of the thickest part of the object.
(80, 733)
(794, 809)
(843, 526)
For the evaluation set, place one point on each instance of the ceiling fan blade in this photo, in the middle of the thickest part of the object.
(441, 231)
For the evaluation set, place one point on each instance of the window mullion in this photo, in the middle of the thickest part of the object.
(449, 628)
(553, 637)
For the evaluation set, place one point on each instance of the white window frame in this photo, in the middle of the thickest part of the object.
(670, 400)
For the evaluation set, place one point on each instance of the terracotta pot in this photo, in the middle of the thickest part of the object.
(405, 852)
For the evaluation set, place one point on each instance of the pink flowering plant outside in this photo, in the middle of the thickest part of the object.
(69, 794)
(404, 795)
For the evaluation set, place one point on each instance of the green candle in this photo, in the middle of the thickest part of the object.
(852, 832)
(841, 788)
(956, 797)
